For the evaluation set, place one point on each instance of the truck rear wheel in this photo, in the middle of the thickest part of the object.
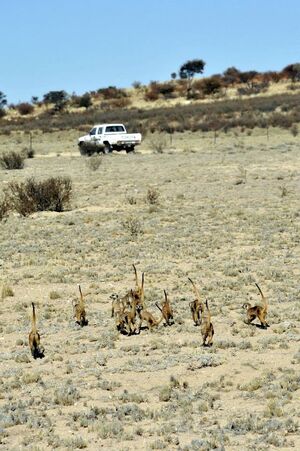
(129, 149)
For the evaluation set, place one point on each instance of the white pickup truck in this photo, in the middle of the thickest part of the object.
(108, 137)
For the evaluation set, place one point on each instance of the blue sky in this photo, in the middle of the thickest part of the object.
(83, 45)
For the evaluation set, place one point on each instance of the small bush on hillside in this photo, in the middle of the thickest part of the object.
(25, 108)
(112, 93)
(151, 96)
(157, 90)
(12, 160)
(136, 84)
(27, 197)
(122, 102)
(84, 101)
(211, 85)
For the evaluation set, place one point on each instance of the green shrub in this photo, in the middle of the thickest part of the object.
(27, 197)
(25, 108)
(12, 160)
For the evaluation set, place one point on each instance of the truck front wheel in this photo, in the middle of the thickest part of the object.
(107, 148)
(81, 148)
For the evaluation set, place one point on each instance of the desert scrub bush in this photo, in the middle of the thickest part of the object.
(94, 162)
(25, 108)
(28, 152)
(6, 291)
(12, 160)
(204, 361)
(165, 394)
(52, 194)
(131, 397)
(22, 357)
(132, 225)
(108, 385)
(107, 340)
(274, 409)
(31, 378)
(131, 198)
(158, 143)
(152, 196)
(242, 176)
(66, 395)
(75, 443)
(130, 411)
(54, 295)
(108, 429)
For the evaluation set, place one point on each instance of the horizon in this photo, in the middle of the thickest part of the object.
(111, 46)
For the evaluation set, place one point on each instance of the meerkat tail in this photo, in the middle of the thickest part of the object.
(166, 296)
(158, 306)
(136, 276)
(261, 293)
(142, 289)
(33, 318)
(197, 294)
(80, 292)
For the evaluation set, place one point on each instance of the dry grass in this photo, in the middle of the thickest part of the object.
(161, 390)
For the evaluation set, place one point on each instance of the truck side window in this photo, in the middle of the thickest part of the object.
(111, 129)
(99, 131)
(93, 131)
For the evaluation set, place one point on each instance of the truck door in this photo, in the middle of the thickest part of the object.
(93, 134)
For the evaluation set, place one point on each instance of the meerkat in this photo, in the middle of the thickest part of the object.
(79, 310)
(146, 316)
(166, 310)
(138, 292)
(257, 311)
(196, 306)
(125, 302)
(207, 329)
(120, 322)
(119, 304)
(37, 350)
(130, 317)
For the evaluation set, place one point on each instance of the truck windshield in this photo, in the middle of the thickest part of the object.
(114, 128)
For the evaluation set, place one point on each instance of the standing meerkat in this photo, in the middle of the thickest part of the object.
(196, 306)
(207, 329)
(79, 310)
(130, 317)
(257, 311)
(166, 310)
(36, 349)
(138, 292)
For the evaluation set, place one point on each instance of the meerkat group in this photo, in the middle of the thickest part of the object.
(130, 313)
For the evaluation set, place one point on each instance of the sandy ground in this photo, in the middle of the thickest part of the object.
(227, 216)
